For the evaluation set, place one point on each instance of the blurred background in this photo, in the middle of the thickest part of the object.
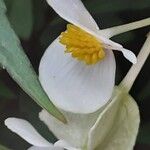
(37, 25)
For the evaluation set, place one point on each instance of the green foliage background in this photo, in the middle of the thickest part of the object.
(37, 25)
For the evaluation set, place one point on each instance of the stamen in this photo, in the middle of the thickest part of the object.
(82, 45)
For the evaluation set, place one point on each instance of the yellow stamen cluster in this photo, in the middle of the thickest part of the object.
(82, 45)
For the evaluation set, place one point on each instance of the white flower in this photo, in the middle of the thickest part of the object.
(71, 84)
(114, 127)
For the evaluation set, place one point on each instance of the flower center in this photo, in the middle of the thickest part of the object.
(82, 45)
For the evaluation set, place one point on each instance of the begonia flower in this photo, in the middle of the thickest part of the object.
(77, 70)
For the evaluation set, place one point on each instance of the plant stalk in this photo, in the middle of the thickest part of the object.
(110, 32)
(132, 74)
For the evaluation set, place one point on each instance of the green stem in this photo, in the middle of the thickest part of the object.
(110, 32)
(131, 76)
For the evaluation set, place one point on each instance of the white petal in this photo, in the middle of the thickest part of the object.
(24, 129)
(129, 55)
(74, 11)
(44, 148)
(111, 45)
(39, 148)
(76, 130)
(117, 126)
(64, 144)
(73, 86)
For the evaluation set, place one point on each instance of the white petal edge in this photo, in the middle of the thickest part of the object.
(129, 55)
(25, 130)
(45, 148)
(74, 12)
(64, 144)
(73, 86)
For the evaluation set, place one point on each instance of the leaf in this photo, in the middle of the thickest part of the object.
(2, 6)
(117, 126)
(3, 148)
(21, 17)
(8, 3)
(13, 58)
(5, 92)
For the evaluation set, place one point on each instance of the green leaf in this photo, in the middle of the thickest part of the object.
(5, 92)
(21, 17)
(117, 126)
(2, 6)
(8, 3)
(3, 148)
(13, 58)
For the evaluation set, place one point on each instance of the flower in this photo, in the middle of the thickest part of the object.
(113, 127)
(70, 83)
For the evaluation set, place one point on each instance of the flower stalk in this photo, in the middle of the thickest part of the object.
(131, 76)
(110, 32)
